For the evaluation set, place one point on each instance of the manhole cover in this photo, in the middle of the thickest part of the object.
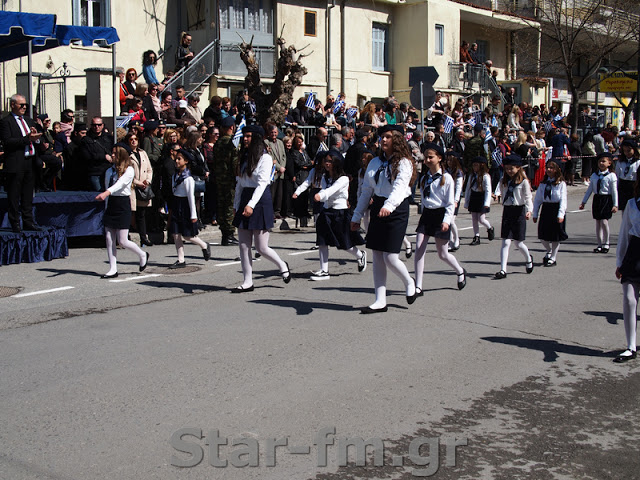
(187, 269)
(8, 291)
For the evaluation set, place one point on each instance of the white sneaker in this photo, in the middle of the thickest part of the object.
(320, 275)
(362, 261)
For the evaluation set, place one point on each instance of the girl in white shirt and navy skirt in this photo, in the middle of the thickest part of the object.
(455, 170)
(388, 181)
(117, 216)
(552, 197)
(515, 191)
(628, 271)
(627, 170)
(253, 206)
(438, 192)
(478, 198)
(333, 224)
(184, 216)
(603, 184)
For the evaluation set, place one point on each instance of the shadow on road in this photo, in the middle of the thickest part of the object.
(550, 348)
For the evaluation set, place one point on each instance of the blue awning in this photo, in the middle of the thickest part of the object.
(16, 27)
(65, 34)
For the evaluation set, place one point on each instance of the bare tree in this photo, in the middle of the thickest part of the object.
(289, 73)
(577, 38)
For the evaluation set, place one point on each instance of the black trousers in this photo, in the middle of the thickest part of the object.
(20, 197)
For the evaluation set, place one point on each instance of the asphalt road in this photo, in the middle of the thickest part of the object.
(98, 376)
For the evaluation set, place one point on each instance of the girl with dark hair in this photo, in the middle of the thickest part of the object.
(253, 206)
(552, 197)
(516, 199)
(605, 200)
(130, 81)
(628, 271)
(438, 189)
(333, 225)
(454, 168)
(117, 216)
(149, 61)
(478, 198)
(198, 168)
(387, 181)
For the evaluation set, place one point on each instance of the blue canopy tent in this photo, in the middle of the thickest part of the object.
(26, 33)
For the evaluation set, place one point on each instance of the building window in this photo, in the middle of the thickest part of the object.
(439, 39)
(91, 13)
(310, 23)
(379, 47)
(255, 16)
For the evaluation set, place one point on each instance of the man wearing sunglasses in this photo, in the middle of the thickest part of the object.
(20, 137)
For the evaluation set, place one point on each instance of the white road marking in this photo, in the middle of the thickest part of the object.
(19, 295)
(579, 211)
(302, 253)
(129, 279)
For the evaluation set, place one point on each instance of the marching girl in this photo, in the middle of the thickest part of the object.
(478, 198)
(388, 181)
(627, 171)
(366, 158)
(454, 168)
(333, 225)
(516, 200)
(117, 216)
(253, 206)
(628, 271)
(438, 192)
(605, 199)
(184, 215)
(552, 196)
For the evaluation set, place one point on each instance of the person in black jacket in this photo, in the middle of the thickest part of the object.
(96, 149)
(353, 163)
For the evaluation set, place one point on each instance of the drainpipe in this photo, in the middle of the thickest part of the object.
(328, 43)
(342, 45)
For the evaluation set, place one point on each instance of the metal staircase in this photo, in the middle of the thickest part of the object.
(198, 72)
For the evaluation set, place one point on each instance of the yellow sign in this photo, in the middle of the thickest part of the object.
(618, 82)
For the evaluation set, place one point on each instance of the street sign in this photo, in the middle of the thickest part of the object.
(618, 82)
(428, 75)
(428, 96)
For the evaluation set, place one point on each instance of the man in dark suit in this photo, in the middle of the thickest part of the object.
(19, 135)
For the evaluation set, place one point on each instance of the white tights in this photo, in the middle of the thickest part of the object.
(177, 239)
(382, 261)
(455, 238)
(261, 237)
(111, 235)
(602, 232)
(479, 218)
(504, 252)
(551, 248)
(323, 251)
(442, 246)
(630, 312)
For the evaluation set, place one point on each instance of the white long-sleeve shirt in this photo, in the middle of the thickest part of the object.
(440, 196)
(630, 226)
(459, 181)
(486, 187)
(334, 196)
(187, 189)
(394, 191)
(122, 187)
(521, 195)
(259, 179)
(608, 186)
(626, 169)
(558, 195)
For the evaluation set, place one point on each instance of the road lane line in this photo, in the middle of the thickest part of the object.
(129, 279)
(51, 290)
(302, 253)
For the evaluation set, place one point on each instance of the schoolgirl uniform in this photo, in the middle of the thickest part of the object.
(477, 200)
(183, 205)
(437, 204)
(553, 200)
(118, 212)
(517, 202)
(458, 178)
(604, 187)
(385, 234)
(314, 186)
(252, 191)
(626, 173)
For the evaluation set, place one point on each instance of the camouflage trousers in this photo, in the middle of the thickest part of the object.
(225, 196)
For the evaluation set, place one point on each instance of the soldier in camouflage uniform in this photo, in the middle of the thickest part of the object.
(225, 166)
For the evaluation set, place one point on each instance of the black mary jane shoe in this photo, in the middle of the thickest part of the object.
(491, 233)
(605, 249)
(500, 275)
(412, 298)
(463, 283)
(529, 268)
(242, 289)
(107, 276)
(545, 260)
(476, 240)
(286, 275)
(625, 358)
(419, 292)
(453, 249)
(369, 310)
(597, 250)
(206, 253)
(142, 267)
(550, 263)
(408, 252)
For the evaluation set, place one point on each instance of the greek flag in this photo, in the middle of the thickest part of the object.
(557, 118)
(238, 134)
(448, 124)
(311, 100)
(352, 112)
(477, 116)
(494, 121)
(496, 156)
(547, 126)
(472, 122)
(487, 130)
(125, 121)
(337, 106)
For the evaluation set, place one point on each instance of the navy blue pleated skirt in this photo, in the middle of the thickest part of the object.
(181, 218)
(386, 233)
(601, 207)
(262, 216)
(549, 228)
(333, 229)
(118, 212)
(430, 223)
(476, 202)
(514, 223)
(630, 268)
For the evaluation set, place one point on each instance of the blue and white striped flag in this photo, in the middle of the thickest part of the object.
(448, 124)
(487, 130)
(557, 118)
(352, 112)
(472, 122)
(238, 134)
(477, 116)
(337, 106)
(496, 156)
(547, 126)
(125, 121)
(311, 100)
(494, 121)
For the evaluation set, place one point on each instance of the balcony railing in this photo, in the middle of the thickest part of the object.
(470, 76)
